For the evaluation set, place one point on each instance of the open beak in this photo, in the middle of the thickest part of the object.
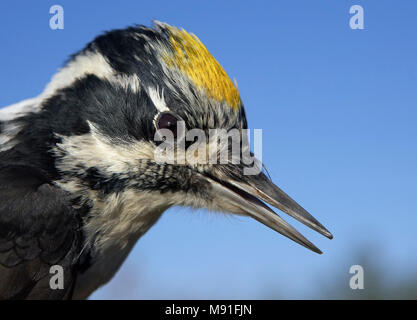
(247, 196)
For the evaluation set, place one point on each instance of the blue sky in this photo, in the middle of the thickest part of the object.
(338, 109)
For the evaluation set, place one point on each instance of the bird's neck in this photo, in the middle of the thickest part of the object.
(120, 218)
(111, 230)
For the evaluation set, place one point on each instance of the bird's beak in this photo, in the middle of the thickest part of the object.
(247, 195)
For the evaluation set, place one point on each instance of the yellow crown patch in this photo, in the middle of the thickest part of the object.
(192, 57)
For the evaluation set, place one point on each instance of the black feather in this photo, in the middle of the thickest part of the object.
(38, 229)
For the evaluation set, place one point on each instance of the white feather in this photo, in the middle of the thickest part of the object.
(158, 99)
(18, 109)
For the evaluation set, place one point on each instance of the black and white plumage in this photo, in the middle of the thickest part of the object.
(79, 184)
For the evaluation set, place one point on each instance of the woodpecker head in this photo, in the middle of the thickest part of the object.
(97, 126)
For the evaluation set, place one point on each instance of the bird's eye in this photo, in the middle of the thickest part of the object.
(167, 120)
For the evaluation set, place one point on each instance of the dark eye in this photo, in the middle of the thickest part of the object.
(168, 121)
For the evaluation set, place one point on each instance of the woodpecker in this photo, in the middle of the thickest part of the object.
(79, 182)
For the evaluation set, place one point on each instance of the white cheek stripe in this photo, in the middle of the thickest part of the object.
(18, 109)
(157, 99)
(87, 63)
